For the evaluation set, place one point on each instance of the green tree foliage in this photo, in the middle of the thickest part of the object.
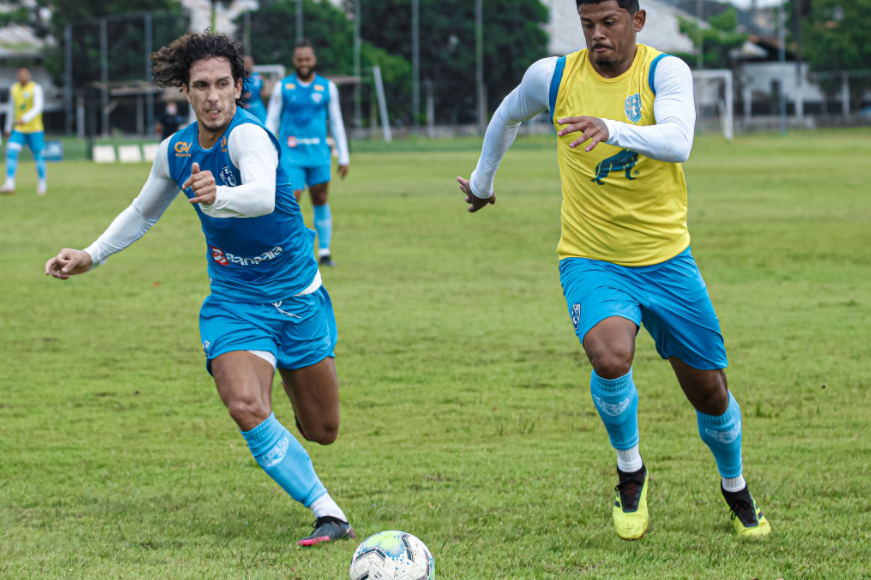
(836, 36)
(126, 35)
(513, 40)
(717, 42)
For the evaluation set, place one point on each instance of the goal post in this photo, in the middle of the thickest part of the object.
(723, 99)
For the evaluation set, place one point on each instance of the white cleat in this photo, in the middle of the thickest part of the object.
(41, 189)
(8, 187)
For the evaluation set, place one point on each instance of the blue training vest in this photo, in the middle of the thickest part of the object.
(251, 260)
(255, 100)
(304, 113)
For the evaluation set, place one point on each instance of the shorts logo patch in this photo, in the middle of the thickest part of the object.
(610, 409)
(632, 106)
(576, 316)
(725, 436)
(206, 346)
(276, 455)
(227, 177)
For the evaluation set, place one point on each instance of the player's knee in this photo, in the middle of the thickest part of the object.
(324, 434)
(612, 363)
(713, 395)
(248, 413)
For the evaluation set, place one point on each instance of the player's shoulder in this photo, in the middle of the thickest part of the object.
(541, 71)
(669, 70)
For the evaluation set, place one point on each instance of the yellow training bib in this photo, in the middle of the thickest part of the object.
(22, 100)
(618, 206)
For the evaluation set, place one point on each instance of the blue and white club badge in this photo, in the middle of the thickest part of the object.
(227, 177)
(632, 106)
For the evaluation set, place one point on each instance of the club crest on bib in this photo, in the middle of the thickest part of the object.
(632, 106)
(317, 97)
(227, 177)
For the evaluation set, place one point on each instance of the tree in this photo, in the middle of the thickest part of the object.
(513, 40)
(717, 42)
(835, 37)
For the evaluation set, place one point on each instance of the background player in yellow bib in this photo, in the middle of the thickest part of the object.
(24, 126)
(624, 117)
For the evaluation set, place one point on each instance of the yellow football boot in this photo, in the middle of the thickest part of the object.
(630, 505)
(747, 518)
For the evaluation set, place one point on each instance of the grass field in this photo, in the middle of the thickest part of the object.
(467, 418)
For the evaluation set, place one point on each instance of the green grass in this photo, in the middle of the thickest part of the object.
(467, 418)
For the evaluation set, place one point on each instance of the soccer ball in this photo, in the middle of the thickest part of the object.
(393, 556)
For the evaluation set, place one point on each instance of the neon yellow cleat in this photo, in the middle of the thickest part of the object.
(630, 505)
(747, 518)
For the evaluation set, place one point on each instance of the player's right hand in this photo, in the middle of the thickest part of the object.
(68, 263)
(475, 202)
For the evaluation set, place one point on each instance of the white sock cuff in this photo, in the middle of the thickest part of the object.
(629, 460)
(733, 484)
(325, 506)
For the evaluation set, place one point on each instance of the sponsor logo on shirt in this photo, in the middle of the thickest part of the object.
(182, 148)
(225, 259)
(227, 177)
(224, 143)
(291, 142)
(289, 86)
(319, 88)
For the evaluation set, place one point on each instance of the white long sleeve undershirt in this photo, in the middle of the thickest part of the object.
(334, 116)
(670, 139)
(30, 114)
(251, 150)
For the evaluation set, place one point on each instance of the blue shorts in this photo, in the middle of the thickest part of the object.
(670, 299)
(302, 177)
(36, 141)
(299, 332)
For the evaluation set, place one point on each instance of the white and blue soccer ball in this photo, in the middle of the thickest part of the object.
(393, 556)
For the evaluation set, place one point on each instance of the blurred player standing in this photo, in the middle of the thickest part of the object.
(255, 94)
(268, 308)
(24, 126)
(300, 107)
(625, 255)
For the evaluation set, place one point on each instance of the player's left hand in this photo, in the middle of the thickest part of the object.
(203, 185)
(343, 170)
(19, 122)
(475, 202)
(593, 129)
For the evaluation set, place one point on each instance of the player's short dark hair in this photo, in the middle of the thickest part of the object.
(172, 64)
(630, 6)
(304, 43)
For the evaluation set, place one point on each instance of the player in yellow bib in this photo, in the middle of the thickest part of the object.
(624, 117)
(24, 126)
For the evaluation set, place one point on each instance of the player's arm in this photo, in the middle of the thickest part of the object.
(273, 112)
(523, 103)
(10, 114)
(254, 153)
(337, 129)
(130, 225)
(36, 109)
(670, 139)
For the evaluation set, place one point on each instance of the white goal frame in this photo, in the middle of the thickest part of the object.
(727, 108)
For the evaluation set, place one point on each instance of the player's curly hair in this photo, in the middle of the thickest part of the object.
(172, 64)
(631, 6)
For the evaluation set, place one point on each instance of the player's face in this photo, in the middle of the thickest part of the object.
(304, 62)
(610, 33)
(213, 93)
(23, 76)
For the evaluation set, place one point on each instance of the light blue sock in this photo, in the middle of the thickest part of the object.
(324, 226)
(40, 164)
(12, 153)
(723, 435)
(284, 460)
(617, 403)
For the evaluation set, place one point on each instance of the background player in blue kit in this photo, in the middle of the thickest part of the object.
(299, 109)
(254, 96)
(268, 309)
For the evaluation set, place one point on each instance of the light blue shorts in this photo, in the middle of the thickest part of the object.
(302, 177)
(36, 141)
(670, 299)
(299, 332)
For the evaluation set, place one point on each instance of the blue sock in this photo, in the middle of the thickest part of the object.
(284, 460)
(723, 435)
(617, 403)
(324, 226)
(40, 164)
(12, 160)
